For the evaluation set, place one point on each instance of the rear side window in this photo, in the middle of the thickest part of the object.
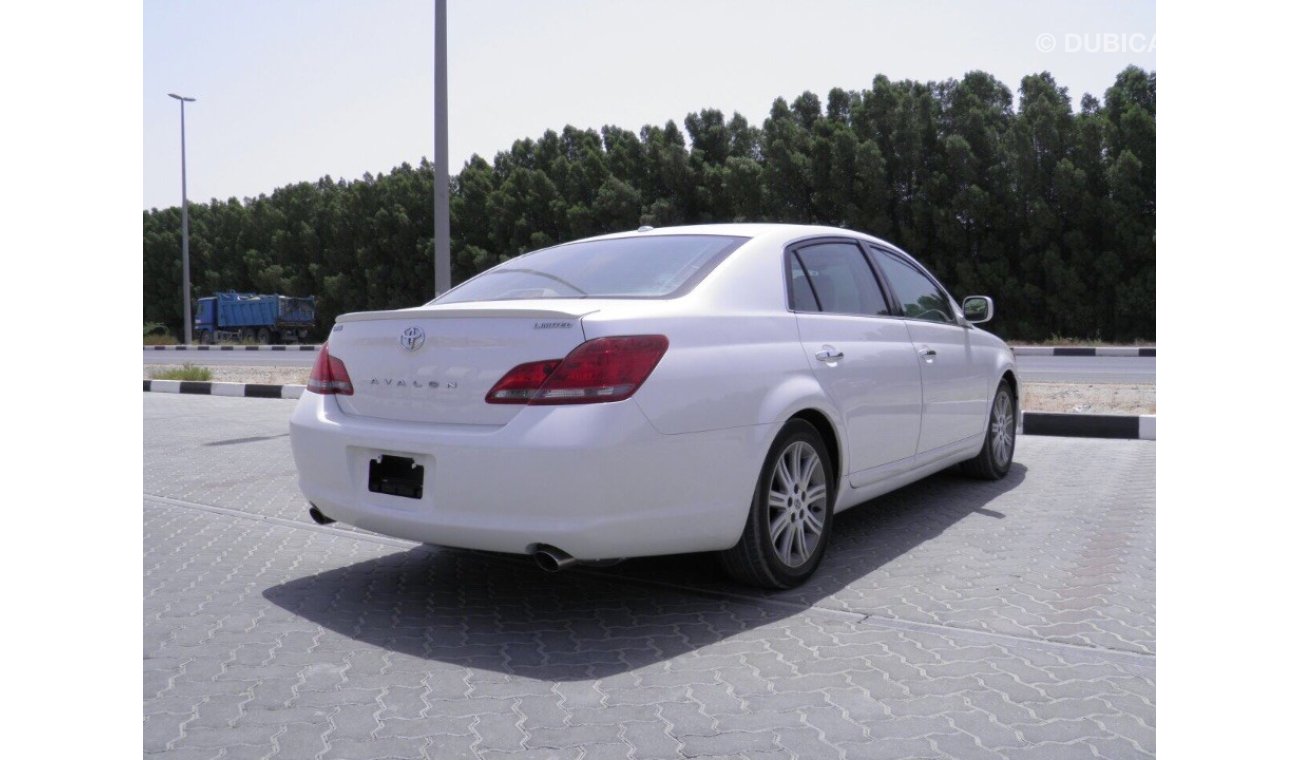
(800, 289)
(838, 280)
(916, 293)
(653, 266)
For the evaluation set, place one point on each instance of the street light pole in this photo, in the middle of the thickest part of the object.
(185, 230)
(441, 181)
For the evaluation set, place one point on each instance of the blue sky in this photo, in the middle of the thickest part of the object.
(292, 90)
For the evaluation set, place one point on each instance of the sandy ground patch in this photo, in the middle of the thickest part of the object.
(1089, 398)
(225, 373)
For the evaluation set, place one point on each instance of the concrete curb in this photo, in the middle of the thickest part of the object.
(206, 388)
(1082, 351)
(1017, 350)
(1133, 427)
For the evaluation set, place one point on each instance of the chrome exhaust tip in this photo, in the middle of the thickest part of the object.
(318, 516)
(553, 560)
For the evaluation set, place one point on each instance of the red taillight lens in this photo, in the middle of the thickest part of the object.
(520, 384)
(329, 375)
(604, 369)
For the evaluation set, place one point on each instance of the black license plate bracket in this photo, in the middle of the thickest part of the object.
(397, 476)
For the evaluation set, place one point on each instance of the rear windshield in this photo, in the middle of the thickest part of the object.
(658, 266)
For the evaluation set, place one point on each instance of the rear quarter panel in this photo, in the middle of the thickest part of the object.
(734, 356)
(723, 372)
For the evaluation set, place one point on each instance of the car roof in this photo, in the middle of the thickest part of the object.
(750, 230)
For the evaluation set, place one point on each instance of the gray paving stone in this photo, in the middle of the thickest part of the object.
(354, 722)
(451, 747)
(733, 743)
(217, 738)
(377, 748)
(900, 749)
(803, 741)
(609, 715)
(651, 740)
(1061, 730)
(336, 698)
(218, 712)
(261, 635)
(161, 731)
(576, 735)
(1075, 751)
(300, 740)
(573, 753)
(185, 754)
(687, 718)
(247, 751)
(612, 751)
(499, 731)
(963, 746)
(285, 715)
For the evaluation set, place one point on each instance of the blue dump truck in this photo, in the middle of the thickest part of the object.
(266, 318)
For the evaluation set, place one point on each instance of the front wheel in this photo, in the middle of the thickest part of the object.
(790, 515)
(994, 460)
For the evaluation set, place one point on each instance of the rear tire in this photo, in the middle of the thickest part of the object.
(263, 336)
(994, 460)
(790, 514)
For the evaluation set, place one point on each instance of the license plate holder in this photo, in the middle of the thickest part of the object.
(397, 476)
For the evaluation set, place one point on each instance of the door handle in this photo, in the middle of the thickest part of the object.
(928, 354)
(829, 354)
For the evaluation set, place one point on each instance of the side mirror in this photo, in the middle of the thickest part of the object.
(977, 309)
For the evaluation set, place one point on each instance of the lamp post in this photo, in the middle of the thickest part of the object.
(441, 200)
(185, 230)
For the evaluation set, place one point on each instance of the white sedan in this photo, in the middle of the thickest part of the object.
(721, 388)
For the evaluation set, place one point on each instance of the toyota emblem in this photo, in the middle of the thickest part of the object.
(412, 338)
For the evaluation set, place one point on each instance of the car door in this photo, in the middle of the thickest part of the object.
(954, 381)
(863, 356)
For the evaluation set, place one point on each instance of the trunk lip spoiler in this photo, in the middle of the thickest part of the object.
(367, 316)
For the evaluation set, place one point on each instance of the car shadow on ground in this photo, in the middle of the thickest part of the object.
(502, 613)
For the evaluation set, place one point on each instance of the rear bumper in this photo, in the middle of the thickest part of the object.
(596, 481)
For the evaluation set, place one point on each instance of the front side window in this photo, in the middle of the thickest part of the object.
(916, 293)
(838, 279)
(654, 266)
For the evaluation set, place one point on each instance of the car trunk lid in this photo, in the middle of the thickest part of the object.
(436, 364)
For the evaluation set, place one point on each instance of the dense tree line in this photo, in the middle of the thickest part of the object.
(1050, 211)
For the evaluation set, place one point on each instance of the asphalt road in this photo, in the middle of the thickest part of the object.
(1034, 369)
(951, 619)
(1087, 369)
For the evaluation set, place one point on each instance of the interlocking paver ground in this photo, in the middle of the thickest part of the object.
(951, 619)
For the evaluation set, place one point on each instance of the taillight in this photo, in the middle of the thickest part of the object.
(520, 384)
(329, 375)
(604, 369)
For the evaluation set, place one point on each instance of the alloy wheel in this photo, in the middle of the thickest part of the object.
(1003, 429)
(797, 504)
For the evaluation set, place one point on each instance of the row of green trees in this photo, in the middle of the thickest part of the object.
(1050, 211)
